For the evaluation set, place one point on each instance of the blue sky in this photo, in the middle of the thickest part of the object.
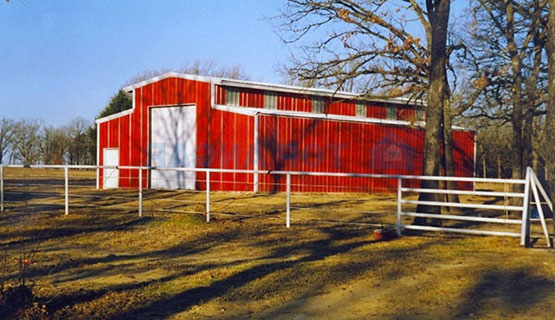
(62, 59)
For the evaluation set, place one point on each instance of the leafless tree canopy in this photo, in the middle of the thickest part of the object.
(376, 47)
(29, 142)
(6, 137)
(506, 41)
(197, 67)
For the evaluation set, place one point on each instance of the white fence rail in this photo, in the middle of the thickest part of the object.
(532, 187)
(530, 183)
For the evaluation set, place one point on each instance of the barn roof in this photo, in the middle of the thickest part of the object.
(281, 88)
(275, 87)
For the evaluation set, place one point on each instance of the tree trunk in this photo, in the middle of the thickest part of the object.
(448, 148)
(516, 96)
(531, 92)
(499, 166)
(484, 167)
(438, 15)
(550, 121)
(535, 161)
(516, 90)
(527, 134)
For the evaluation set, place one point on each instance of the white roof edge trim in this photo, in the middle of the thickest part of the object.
(173, 74)
(254, 111)
(274, 87)
(114, 116)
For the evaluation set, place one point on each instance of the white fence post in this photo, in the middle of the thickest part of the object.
(288, 191)
(537, 200)
(399, 198)
(207, 196)
(1, 188)
(525, 229)
(66, 178)
(140, 192)
(255, 156)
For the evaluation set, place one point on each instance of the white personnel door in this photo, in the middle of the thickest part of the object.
(111, 158)
(173, 144)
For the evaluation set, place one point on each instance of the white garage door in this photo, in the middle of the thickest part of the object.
(111, 158)
(173, 144)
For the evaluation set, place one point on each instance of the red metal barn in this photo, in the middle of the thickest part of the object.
(182, 120)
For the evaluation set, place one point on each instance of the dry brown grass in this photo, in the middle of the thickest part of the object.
(107, 263)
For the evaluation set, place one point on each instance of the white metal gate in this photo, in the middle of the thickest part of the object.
(532, 187)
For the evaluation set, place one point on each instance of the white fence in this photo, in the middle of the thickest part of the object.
(532, 188)
(531, 184)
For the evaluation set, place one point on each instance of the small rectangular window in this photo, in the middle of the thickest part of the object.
(420, 115)
(232, 96)
(391, 112)
(317, 105)
(270, 100)
(361, 110)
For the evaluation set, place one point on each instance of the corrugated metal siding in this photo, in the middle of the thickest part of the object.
(103, 143)
(298, 102)
(124, 154)
(377, 111)
(131, 133)
(337, 146)
(226, 140)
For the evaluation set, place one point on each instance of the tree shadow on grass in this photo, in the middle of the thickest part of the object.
(496, 294)
(186, 248)
(34, 236)
(182, 301)
(59, 302)
(517, 290)
(286, 274)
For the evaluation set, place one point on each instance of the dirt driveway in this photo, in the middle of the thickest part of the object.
(103, 265)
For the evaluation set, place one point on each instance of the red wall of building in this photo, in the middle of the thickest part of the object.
(226, 140)
(301, 144)
(131, 133)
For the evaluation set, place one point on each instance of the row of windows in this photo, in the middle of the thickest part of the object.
(270, 102)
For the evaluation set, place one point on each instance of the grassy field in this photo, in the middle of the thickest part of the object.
(104, 262)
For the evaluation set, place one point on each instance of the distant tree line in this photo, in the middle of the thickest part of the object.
(32, 142)
(493, 153)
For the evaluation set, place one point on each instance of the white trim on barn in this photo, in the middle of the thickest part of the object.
(255, 155)
(276, 87)
(116, 115)
(299, 114)
(97, 155)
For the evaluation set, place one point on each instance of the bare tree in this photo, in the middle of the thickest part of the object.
(6, 133)
(55, 144)
(78, 147)
(494, 153)
(550, 130)
(506, 34)
(27, 140)
(197, 67)
(369, 42)
(438, 16)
